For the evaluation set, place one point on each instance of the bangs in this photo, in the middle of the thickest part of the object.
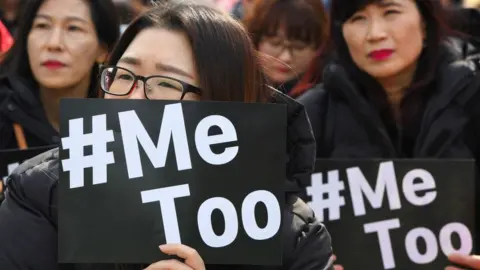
(296, 19)
(342, 10)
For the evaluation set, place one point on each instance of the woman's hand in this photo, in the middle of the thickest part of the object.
(193, 261)
(471, 262)
(336, 266)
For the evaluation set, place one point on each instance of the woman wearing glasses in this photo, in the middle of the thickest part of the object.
(289, 33)
(171, 53)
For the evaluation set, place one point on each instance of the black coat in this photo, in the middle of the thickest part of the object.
(20, 104)
(447, 126)
(28, 216)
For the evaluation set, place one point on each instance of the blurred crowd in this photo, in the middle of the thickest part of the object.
(387, 63)
(293, 37)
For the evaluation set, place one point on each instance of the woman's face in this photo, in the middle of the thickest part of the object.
(156, 52)
(63, 45)
(287, 59)
(386, 39)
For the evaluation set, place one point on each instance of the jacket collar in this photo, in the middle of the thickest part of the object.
(301, 146)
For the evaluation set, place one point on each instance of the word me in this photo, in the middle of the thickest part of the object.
(173, 128)
(359, 188)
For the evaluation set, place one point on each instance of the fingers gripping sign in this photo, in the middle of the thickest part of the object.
(192, 260)
(464, 261)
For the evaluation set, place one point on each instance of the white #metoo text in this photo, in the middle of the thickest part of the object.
(172, 128)
(418, 186)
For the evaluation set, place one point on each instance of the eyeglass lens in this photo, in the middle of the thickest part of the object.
(118, 81)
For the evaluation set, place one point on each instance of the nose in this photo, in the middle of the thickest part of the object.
(55, 40)
(376, 30)
(286, 55)
(137, 92)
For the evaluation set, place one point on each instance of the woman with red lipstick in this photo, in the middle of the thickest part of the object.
(56, 54)
(399, 87)
(289, 33)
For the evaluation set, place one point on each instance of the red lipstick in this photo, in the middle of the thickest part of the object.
(379, 55)
(284, 69)
(53, 64)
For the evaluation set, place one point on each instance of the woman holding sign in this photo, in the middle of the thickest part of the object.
(398, 87)
(183, 64)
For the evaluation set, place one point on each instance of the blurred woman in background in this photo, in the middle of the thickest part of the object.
(289, 33)
(59, 47)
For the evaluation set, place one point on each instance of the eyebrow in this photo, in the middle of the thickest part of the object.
(389, 3)
(162, 67)
(71, 18)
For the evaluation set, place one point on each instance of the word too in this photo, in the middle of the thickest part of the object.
(166, 197)
(133, 133)
(414, 182)
(382, 228)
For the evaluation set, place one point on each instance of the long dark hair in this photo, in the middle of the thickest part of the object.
(16, 61)
(225, 58)
(436, 31)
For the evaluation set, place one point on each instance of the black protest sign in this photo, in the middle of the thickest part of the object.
(396, 214)
(10, 159)
(136, 174)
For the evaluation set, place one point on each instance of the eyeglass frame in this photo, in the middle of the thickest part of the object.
(285, 45)
(187, 88)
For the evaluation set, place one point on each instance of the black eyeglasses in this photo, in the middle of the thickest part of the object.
(119, 81)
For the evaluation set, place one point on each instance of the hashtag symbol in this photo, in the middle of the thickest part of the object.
(98, 160)
(326, 196)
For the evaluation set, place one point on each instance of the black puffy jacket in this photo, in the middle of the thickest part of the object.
(28, 216)
(347, 124)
